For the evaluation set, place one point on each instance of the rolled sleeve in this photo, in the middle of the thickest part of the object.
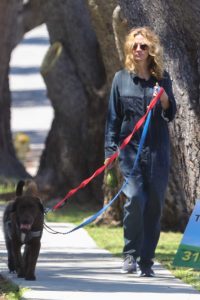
(169, 114)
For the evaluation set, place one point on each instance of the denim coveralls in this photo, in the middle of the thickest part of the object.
(129, 98)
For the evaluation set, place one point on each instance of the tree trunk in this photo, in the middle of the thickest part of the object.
(181, 37)
(10, 167)
(101, 13)
(111, 29)
(182, 55)
(65, 145)
(33, 15)
(75, 84)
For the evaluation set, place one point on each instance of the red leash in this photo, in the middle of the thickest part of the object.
(114, 156)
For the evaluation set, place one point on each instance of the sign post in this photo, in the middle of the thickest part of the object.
(188, 253)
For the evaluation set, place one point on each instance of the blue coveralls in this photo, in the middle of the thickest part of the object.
(129, 98)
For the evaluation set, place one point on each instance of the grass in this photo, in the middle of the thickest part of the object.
(7, 188)
(8, 290)
(71, 213)
(111, 238)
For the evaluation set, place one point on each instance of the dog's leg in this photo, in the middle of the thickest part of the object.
(26, 259)
(19, 264)
(31, 256)
(11, 262)
(7, 228)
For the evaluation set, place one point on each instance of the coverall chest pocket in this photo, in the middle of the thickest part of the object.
(132, 106)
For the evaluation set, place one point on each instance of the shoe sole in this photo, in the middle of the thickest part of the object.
(147, 275)
(128, 272)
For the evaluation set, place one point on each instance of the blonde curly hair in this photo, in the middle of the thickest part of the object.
(155, 59)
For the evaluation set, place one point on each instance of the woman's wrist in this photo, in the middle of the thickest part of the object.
(164, 99)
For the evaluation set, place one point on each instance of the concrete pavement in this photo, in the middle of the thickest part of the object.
(31, 111)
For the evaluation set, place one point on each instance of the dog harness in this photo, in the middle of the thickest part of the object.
(24, 237)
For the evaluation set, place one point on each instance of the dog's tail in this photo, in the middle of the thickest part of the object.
(19, 189)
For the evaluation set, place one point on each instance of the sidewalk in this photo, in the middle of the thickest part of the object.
(73, 267)
(31, 111)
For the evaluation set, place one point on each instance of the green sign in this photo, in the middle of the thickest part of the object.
(188, 253)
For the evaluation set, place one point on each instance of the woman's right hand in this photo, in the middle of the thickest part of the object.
(111, 165)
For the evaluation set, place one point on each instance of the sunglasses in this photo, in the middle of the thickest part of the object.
(142, 46)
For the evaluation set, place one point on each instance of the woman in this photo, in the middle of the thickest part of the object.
(132, 90)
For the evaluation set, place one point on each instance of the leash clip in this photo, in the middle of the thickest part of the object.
(156, 89)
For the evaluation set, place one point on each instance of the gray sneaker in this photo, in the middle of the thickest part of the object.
(129, 265)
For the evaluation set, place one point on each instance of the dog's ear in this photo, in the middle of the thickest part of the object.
(19, 189)
(13, 206)
(39, 202)
(31, 188)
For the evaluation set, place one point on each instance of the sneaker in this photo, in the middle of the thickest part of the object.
(129, 265)
(147, 272)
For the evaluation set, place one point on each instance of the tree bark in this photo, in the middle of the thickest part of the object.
(106, 25)
(67, 135)
(29, 15)
(111, 28)
(10, 167)
(32, 14)
(75, 84)
(182, 55)
(180, 41)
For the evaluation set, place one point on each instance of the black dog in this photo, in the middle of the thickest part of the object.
(23, 224)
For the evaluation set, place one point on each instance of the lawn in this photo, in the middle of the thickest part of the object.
(8, 290)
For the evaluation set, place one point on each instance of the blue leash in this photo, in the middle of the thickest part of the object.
(95, 216)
